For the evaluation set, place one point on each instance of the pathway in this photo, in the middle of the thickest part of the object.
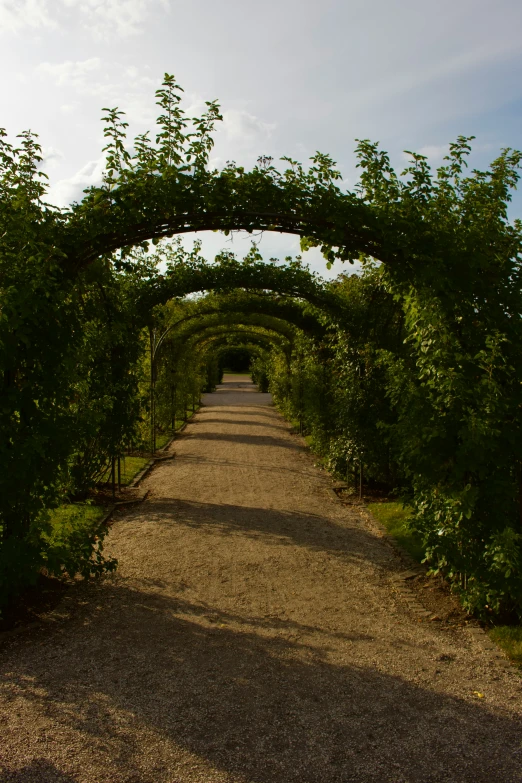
(251, 635)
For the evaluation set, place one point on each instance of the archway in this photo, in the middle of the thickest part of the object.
(451, 265)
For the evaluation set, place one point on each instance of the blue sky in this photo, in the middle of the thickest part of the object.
(292, 76)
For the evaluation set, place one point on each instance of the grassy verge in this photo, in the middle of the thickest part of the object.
(129, 467)
(509, 638)
(392, 515)
(395, 517)
(162, 438)
(70, 520)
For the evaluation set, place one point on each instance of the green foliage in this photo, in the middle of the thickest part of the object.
(411, 369)
(396, 519)
(259, 374)
(456, 387)
(73, 541)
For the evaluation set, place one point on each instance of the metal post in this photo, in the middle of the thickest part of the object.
(154, 431)
(520, 490)
(113, 476)
(300, 392)
(119, 473)
(152, 417)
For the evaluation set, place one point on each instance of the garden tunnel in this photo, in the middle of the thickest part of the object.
(219, 331)
(256, 313)
(74, 305)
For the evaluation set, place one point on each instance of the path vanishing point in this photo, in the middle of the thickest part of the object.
(252, 634)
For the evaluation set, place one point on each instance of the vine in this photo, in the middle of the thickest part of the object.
(424, 350)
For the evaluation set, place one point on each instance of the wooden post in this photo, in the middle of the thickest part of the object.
(119, 473)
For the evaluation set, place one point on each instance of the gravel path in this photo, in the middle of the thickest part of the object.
(251, 635)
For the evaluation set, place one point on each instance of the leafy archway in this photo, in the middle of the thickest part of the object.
(450, 266)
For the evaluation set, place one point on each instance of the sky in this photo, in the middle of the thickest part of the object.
(291, 76)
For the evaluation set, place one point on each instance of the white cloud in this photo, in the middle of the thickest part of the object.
(93, 78)
(114, 17)
(104, 18)
(244, 128)
(66, 191)
(51, 157)
(17, 14)
(70, 73)
(70, 108)
(435, 153)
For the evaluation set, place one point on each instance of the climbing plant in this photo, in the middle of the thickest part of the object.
(443, 266)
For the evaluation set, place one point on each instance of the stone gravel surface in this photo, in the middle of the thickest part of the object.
(252, 634)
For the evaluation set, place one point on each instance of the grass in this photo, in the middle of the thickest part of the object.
(68, 520)
(162, 438)
(392, 515)
(509, 638)
(129, 466)
(395, 517)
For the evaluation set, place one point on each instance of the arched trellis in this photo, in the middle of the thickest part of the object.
(250, 305)
(221, 345)
(263, 311)
(223, 322)
(203, 335)
(147, 207)
(452, 261)
(249, 340)
(198, 332)
(273, 334)
(236, 303)
(239, 338)
(290, 281)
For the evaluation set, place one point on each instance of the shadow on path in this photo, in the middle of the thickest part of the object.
(39, 770)
(251, 440)
(241, 422)
(314, 532)
(263, 709)
(306, 469)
